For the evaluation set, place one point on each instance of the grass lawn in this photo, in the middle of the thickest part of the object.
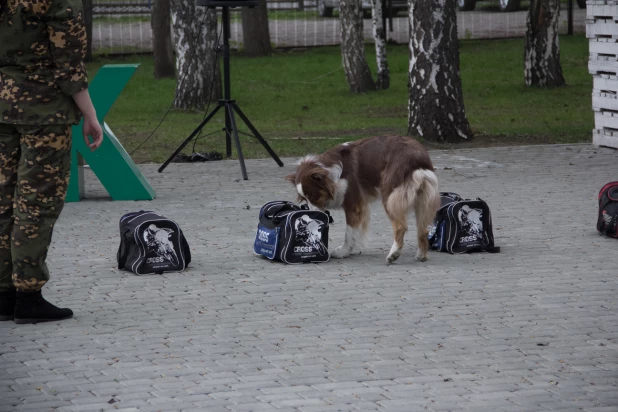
(299, 101)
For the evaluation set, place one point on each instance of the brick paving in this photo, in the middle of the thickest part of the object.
(533, 328)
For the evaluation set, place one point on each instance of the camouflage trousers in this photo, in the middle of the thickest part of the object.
(34, 174)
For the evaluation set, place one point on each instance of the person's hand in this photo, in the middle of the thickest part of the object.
(92, 128)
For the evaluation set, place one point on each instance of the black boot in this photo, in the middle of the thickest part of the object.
(7, 304)
(30, 307)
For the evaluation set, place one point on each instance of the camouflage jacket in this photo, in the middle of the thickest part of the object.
(42, 47)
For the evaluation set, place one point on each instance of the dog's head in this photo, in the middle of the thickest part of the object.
(313, 183)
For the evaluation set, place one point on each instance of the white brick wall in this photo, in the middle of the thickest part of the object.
(602, 30)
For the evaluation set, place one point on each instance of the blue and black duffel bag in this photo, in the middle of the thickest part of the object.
(292, 233)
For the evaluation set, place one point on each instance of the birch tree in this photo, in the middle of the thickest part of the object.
(542, 51)
(436, 107)
(355, 65)
(379, 37)
(195, 37)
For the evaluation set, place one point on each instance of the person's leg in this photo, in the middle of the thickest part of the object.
(43, 177)
(9, 157)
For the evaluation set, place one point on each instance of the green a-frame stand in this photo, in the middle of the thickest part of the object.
(110, 162)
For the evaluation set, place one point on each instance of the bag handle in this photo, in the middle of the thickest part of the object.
(277, 219)
(330, 218)
(273, 210)
(284, 208)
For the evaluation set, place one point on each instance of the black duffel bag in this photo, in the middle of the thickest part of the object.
(462, 225)
(151, 243)
(292, 233)
(607, 222)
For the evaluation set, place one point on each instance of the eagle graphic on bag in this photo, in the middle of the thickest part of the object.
(471, 220)
(309, 232)
(158, 241)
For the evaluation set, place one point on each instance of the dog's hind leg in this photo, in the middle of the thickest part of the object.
(399, 232)
(426, 203)
(421, 233)
(397, 204)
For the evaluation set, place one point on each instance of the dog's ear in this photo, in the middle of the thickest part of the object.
(322, 179)
(318, 177)
(319, 174)
(291, 178)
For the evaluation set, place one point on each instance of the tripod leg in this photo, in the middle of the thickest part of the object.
(191, 136)
(241, 159)
(228, 134)
(257, 135)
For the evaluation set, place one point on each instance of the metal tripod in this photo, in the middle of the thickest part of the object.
(230, 107)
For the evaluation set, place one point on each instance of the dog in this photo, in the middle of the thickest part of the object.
(351, 176)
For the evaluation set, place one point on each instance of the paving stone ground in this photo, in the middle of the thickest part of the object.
(533, 328)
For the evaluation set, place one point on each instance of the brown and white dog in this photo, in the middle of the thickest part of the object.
(396, 169)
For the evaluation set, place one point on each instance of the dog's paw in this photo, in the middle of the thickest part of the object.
(421, 256)
(393, 256)
(394, 253)
(340, 253)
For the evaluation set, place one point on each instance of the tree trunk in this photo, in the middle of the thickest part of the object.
(87, 5)
(356, 69)
(436, 107)
(195, 36)
(379, 37)
(162, 40)
(542, 53)
(255, 32)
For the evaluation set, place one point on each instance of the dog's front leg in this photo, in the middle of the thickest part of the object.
(355, 232)
(345, 250)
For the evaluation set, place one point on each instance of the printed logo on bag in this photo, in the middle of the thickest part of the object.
(263, 235)
(159, 243)
(471, 223)
(309, 235)
(607, 218)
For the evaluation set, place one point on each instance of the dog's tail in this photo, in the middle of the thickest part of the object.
(426, 197)
(419, 193)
